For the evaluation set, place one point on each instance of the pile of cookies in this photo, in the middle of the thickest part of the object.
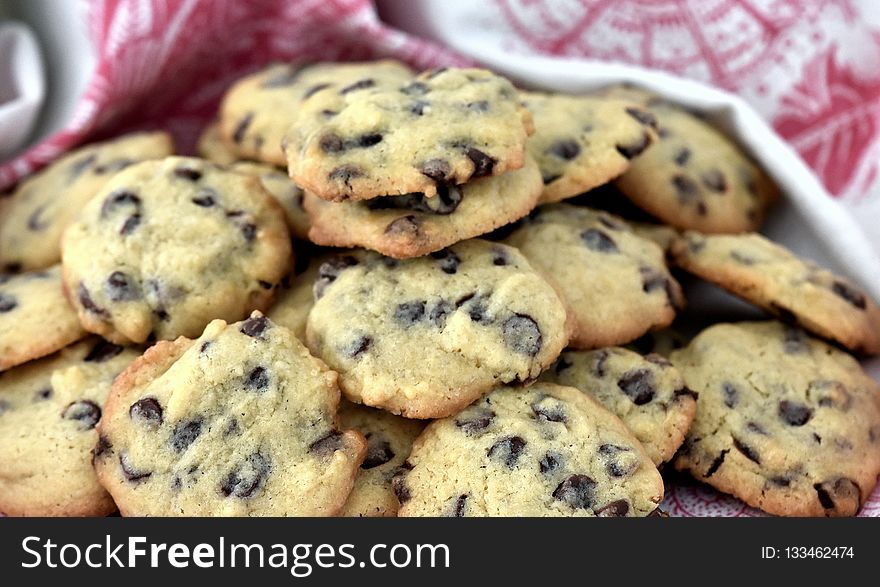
(366, 298)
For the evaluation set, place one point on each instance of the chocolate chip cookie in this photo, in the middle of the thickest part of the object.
(784, 422)
(446, 126)
(285, 191)
(794, 289)
(542, 450)
(647, 393)
(615, 283)
(48, 412)
(425, 337)
(414, 225)
(697, 178)
(240, 422)
(167, 246)
(35, 318)
(582, 142)
(41, 207)
(259, 108)
(389, 440)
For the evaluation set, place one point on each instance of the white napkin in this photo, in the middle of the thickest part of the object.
(22, 86)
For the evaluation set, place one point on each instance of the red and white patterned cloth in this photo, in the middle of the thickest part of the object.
(809, 67)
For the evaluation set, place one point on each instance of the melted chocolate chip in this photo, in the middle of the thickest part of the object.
(578, 491)
(616, 467)
(440, 311)
(330, 270)
(85, 299)
(615, 509)
(682, 157)
(447, 260)
(794, 413)
(841, 489)
(241, 129)
(522, 334)
(418, 107)
(378, 453)
(653, 280)
(359, 346)
(130, 224)
(730, 393)
(257, 379)
(358, 85)
(507, 450)
(549, 410)
(795, 341)
(185, 433)
(500, 257)
(44, 394)
(85, 412)
(121, 288)
(633, 150)
(314, 90)
(714, 180)
(398, 483)
(206, 198)
(716, 464)
(346, 173)
(102, 447)
(102, 351)
(35, 221)
(550, 462)
(79, 166)
(7, 303)
(643, 116)
(130, 473)
(850, 294)
(187, 173)
(406, 225)
(566, 149)
(255, 326)
(474, 421)
(478, 106)
(408, 313)
(459, 506)
(638, 385)
(114, 165)
(562, 364)
(247, 478)
(483, 163)
(415, 89)
(118, 199)
(327, 445)
(147, 411)
(747, 451)
(598, 240)
(686, 189)
(597, 368)
(437, 169)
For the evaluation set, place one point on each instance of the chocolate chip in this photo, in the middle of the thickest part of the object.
(330, 270)
(716, 464)
(102, 351)
(327, 444)
(187, 173)
(247, 478)
(131, 223)
(358, 347)
(437, 169)
(522, 334)
(478, 106)
(850, 294)
(566, 149)
(446, 201)
(440, 311)
(358, 85)
(474, 421)
(35, 222)
(578, 491)
(615, 509)
(408, 313)
(597, 368)
(686, 189)
(550, 462)
(255, 326)
(841, 489)
(435, 72)
(378, 453)
(415, 89)
(346, 173)
(314, 90)
(121, 288)
(653, 280)
(102, 447)
(114, 165)
(44, 394)
(714, 180)
(7, 303)
(478, 309)
(658, 360)
(86, 300)
(500, 257)
(331, 143)
(185, 433)
(79, 166)
(742, 258)
(459, 506)
(598, 240)
(747, 451)
(119, 199)
(549, 178)
(447, 260)
(794, 413)
(86, 412)
(756, 428)
(418, 107)
(408, 225)
(731, 394)
(507, 450)
(241, 129)
(549, 410)
(643, 116)
(795, 341)
(562, 364)
(257, 379)
(398, 483)
(129, 471)
(780, 480)
(147, 411)
(285, 78)
(635, 149)
(638, 385)
(619, 460)
(682, 157)
(483, 163)
(206, 197)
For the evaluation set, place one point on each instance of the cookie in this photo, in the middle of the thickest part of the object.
(277, 183)
(445, 127)
(796, 290)
(294, 299)
(542, 450)
(35, 318)
(697, 178)
(784, 422)
(615, 283)
(582, 142)
(240, 422)
(415, 225)
(258, 109)
(425, 337)
(167, 246)
(41, 207)
(647, 393)
(212, 147)
(389, 440)
(48, 412)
